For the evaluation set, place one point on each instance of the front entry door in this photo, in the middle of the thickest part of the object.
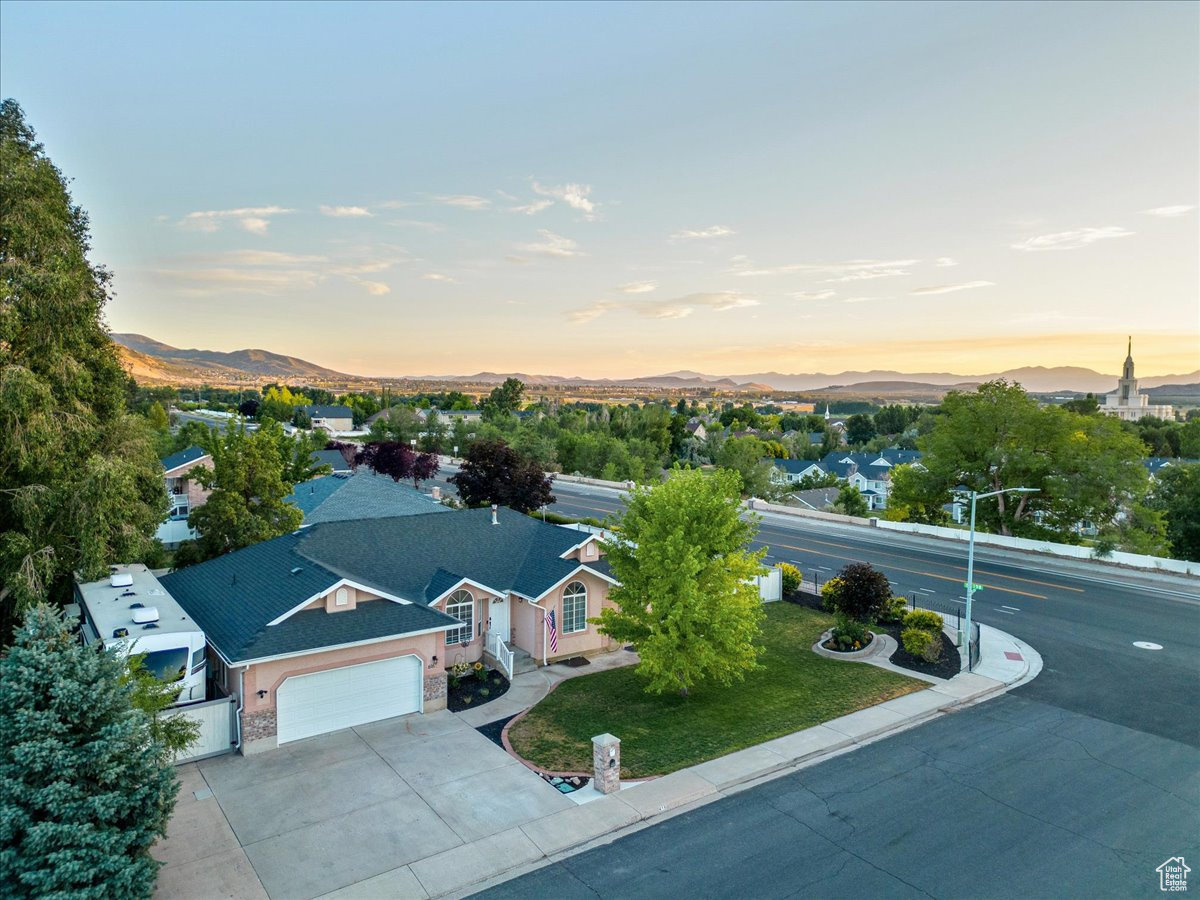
(498, 618)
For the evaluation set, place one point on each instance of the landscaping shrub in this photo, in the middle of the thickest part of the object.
(862, 592)
(925, 619)
(923, 643)
(829, 594)
(849, 634)
(790, 577)
(893, 611)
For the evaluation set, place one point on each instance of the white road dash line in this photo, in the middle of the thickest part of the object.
(1013, 608)
(1007, 612)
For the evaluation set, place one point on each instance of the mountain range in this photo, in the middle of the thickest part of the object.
(152, 361)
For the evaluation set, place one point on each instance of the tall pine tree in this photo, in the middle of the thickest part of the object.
(86, 788)
(82, 486)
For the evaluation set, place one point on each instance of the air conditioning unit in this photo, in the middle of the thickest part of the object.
(147, 614)
(121, 580)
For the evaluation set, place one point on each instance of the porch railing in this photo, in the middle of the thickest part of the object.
(500, 652)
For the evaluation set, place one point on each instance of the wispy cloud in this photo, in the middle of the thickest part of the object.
(812, 295)
(533, 207)
(1071, 240)
(249, 281)
(254, 219)
(573, 194)
(463, 201)
(552, 244)
(374, 288)
(638, 287)
(1168, 211)
(674, 308)
(849, 270)
(713, 231)
(438, 276)
(951, 288)
(517, 260)
(432, 227)
(346, 212)
(860, 299)
(257, 258)
(943, 262)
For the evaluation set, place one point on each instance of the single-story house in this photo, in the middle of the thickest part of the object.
(361, 495)
(184, 493)
(334, 459)
(819, 499)
(330, 418)
(344, 623)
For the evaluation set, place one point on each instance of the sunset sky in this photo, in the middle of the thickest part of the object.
(628, 189)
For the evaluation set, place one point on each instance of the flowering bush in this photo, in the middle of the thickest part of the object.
(480, 671)
(790, 577)
(849, 634)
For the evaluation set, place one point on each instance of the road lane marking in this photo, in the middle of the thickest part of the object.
(991, 587)
(926, 591)
(1006, 611)
(1013, 608)
(978, 571)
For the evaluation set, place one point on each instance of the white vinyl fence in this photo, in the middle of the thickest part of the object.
(218, 729)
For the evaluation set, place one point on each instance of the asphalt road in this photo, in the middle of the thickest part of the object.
(1077, 784)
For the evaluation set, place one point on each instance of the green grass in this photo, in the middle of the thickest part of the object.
(794, 689)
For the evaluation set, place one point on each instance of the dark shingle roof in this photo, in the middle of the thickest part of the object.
(316, 411)
(791, 466)
(183, 457)
(363, 495)
(416, 558)
(332, 458)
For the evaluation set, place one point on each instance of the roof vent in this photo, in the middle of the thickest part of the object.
(129, 593)
(137, 605)
(145, 614)
(148, 627)
(120, 632)
(297, 570)
(495, 509)
(123, 579)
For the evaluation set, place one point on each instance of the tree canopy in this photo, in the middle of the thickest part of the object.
(686, 597)
(493, 472)
(82, 483)
(1084, 467)
(1177, 496)
(85, 787)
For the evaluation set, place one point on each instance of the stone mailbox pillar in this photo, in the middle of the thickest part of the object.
(606, 763)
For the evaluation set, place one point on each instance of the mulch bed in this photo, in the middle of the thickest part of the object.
(948, 665)
(493, 730)
(470, 691)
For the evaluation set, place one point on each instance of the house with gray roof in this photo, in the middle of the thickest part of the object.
(331, 418)
(871, 473)
(346, 622)
(334, 459)
(359, 495)
(184, 492)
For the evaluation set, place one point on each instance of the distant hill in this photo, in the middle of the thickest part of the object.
(151, 360)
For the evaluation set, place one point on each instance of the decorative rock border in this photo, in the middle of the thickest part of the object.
(877, 644)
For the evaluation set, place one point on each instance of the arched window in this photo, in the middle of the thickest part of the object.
(342, 597)
(574, 617)
(461, 605)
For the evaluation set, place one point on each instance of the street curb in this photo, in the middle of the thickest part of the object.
(767, 773)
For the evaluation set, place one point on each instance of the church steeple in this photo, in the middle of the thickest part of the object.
(1127, 373)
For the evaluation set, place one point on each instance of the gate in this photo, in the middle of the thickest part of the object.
(217, 728)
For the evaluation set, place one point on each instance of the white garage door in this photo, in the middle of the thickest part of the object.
(352, 695)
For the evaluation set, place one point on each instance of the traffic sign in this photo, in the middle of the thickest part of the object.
(973, 588)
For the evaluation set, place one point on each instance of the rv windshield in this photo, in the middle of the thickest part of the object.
(167, 665)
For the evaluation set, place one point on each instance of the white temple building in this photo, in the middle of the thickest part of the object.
(1126, 403)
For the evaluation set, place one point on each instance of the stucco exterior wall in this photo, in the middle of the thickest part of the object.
(449, 654)
(530, 632)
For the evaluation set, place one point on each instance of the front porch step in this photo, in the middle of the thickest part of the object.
(522, 662)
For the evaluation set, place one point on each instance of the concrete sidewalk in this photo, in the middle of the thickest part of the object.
(1005, 662)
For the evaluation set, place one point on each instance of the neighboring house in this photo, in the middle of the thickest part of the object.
(695, 428)
(184, 493)
(820, 499)
(1155, 464)
(334, 459)
(871, 473)
(330, 418)
(361, 495)
(790, 471)
(344, 623)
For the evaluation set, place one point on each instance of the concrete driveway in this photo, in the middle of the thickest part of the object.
(371, 811)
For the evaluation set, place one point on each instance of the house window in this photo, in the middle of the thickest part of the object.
(342, 597)
(574, 616)
(461, 606)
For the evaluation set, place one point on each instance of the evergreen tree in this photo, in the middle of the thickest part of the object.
(85, 789)
(82, 483)
(686, 597)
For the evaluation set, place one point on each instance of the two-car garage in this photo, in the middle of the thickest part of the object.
(312, 704)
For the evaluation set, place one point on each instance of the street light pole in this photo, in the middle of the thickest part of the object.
(971, 557)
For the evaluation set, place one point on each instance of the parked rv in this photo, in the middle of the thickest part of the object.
(131, 611)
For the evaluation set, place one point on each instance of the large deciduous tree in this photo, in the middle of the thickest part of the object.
(493, 472)
(85, 787)
(247, 504)
(1177, 497)
(746, 456)
(81, 483)
(1084, 467)
(397, 461)
(686, 596)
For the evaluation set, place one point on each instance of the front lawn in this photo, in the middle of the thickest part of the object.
(794, 689)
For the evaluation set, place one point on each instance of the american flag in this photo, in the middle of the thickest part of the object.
(553, 631)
